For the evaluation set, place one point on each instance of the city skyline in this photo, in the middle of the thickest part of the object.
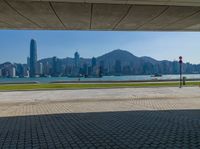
(117, 62)
(158, 45)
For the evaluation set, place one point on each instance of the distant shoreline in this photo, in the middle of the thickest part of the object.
(104, 79)
(125, 81)
(98, 81)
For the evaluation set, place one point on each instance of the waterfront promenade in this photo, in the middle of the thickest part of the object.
(166, 117)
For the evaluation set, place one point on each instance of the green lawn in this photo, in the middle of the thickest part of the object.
(12, 87)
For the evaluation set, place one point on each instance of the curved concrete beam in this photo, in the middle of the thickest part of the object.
(139, 2)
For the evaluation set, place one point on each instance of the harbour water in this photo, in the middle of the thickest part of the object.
(104, 78)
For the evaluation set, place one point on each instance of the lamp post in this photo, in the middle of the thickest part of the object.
(180, 63)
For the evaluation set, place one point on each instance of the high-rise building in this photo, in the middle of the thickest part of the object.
(19, 70)
(28, 62)
(25, 71)
(118, 67)
(94, 62)
(46, 69)
(85, 70)
(101, 68)
(40, 69)
(54, 66)
(33, 58)
(12, 72)
(77, 59)
(94, 66)
(76, 69)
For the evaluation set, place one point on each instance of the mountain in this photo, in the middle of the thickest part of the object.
(149, 60)
(125, 59)
(121, 55)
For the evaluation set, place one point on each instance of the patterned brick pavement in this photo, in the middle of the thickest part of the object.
(108, 124)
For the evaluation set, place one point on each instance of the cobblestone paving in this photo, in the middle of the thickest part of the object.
(108, 124)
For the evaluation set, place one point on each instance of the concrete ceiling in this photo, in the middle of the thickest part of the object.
(141, 2)
(158, 15)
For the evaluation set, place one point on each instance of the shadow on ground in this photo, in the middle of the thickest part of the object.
(123, 130)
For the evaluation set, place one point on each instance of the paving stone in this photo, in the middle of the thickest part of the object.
(107, 124)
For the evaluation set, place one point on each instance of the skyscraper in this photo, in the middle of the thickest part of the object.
(94, 66)
(33, 58)
(28, 62)
(94, 62)
(76, 69)
(77, 59)
(118, 67)
(12, 72)
(46, 69)
(40, 69)
(54, 66)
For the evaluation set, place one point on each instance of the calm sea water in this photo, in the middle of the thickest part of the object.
(105, 78)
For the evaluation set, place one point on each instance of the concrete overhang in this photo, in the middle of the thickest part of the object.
(156, 15)
(140, 2)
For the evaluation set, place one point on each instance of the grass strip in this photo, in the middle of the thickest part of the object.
(13, 87)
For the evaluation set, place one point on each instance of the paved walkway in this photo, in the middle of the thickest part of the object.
(144, 118)
(99, 94)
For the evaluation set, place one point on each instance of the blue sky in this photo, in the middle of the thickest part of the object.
(14, 45)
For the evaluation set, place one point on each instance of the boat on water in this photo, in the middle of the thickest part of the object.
(156, 75)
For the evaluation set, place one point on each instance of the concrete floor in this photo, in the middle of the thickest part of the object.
(144, 118)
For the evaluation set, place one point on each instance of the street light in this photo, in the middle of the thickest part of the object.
(180, 63)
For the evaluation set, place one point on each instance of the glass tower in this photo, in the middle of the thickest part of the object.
(33, 58)
(76, 58)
